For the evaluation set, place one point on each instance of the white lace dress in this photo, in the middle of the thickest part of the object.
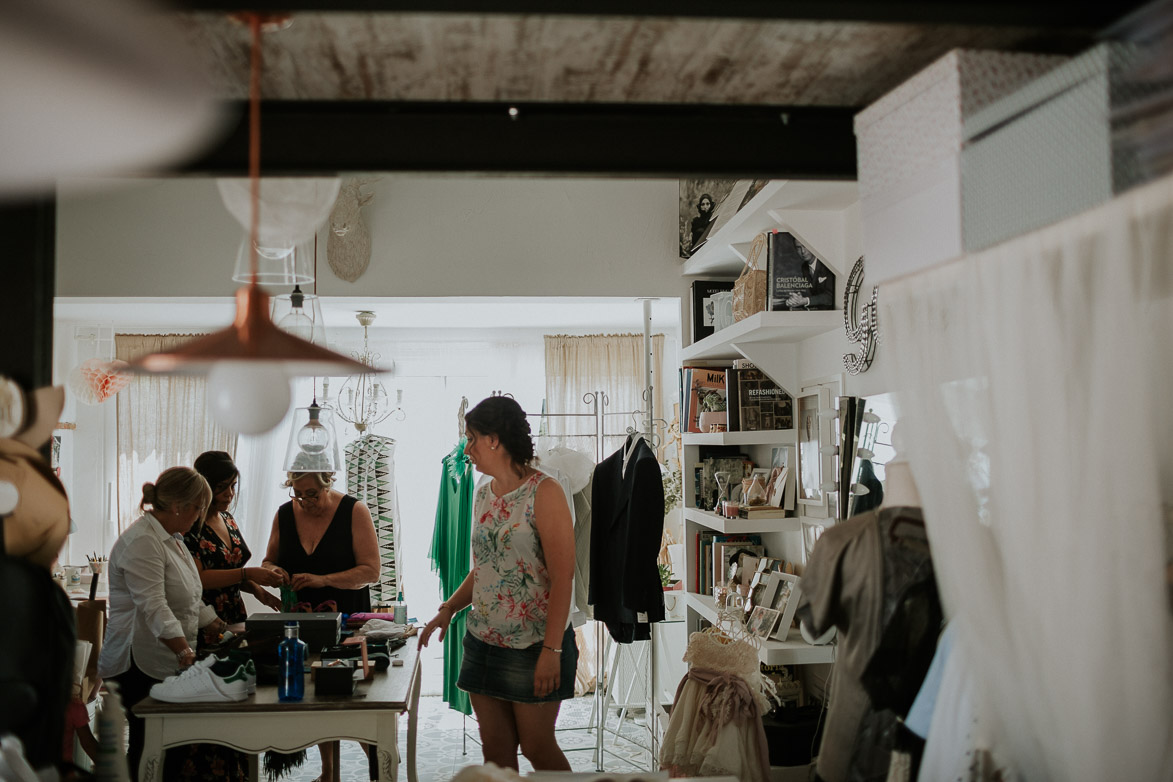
(716, 727)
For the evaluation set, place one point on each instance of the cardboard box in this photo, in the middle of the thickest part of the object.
(909, 152)
(318, 630)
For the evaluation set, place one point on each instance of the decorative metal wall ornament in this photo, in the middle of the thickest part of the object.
(862, 328)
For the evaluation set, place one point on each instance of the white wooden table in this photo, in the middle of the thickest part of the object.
(262, 723)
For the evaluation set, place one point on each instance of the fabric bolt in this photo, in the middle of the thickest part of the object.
(451, 557)
(627, 526)
(370, 478)
(511, 591)
(155, 592)
(214, 554)
(858, 575)
(334, 553)
(715, 726)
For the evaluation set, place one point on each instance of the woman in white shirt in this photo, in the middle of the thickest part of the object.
(155, 605)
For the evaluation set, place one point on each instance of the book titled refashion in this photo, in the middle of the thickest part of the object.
(798, 279)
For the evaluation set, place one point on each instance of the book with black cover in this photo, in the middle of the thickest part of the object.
(794, 284)
(763, 404)
(703, 306)
(732, 400)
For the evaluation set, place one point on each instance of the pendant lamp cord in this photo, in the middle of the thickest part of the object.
(254, 141)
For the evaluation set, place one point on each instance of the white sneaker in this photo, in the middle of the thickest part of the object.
(208, 680)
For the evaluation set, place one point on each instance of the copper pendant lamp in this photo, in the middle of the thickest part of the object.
(253, 337)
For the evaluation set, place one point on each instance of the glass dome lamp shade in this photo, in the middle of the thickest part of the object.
(313, 446)
(300, 314)
(281, 262)
(292, 209)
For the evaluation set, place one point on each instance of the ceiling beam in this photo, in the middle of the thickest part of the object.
(1072, 15)
(327, 137)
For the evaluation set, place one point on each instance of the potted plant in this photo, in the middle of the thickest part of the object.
(712, 412)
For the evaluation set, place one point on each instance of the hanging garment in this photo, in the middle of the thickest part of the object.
(451, 559)
(716, 727)
(627, 504)
(872, 577)
(370, 477)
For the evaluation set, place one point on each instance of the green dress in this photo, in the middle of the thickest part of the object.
(451, 557)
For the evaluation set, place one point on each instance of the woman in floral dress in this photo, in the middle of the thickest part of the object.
(519, 648)
(221, 556)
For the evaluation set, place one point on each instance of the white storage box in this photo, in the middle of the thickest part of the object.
(909, 156)
(1045, 151)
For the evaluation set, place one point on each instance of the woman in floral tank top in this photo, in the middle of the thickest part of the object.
(519, 650)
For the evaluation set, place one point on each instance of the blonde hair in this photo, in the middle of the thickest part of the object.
(175, 488)
(324, 479)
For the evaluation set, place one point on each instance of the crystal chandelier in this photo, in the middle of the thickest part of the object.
(362, 399)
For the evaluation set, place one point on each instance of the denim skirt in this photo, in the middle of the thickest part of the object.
(508, 674)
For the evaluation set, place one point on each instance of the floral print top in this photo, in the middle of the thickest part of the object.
(511, 586)
(206, 546)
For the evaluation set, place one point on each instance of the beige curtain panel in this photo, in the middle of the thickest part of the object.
(163, 421)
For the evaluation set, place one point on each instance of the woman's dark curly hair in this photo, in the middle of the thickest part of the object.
(503, 417)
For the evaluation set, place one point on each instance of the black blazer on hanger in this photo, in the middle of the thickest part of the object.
(627, 526)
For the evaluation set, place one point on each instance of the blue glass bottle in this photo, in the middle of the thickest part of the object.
(292, 651)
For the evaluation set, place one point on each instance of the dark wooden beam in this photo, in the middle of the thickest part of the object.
(30, 231)
(312, 137)
(1072, 15)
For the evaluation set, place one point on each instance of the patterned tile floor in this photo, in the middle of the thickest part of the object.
(440, 750)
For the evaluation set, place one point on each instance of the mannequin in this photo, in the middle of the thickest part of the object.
(899, 487)
(35, 668)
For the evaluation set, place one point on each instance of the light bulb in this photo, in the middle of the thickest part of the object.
(248, 397)
(298, 324)
(313, 437)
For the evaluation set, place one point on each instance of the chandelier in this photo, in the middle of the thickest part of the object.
(362, 399)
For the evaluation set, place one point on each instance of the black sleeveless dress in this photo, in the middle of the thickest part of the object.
(334, 553)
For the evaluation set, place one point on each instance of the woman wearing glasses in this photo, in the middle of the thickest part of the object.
(323, 543)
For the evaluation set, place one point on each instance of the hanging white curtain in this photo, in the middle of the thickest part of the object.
(163, 421)
(1032, 381)
(613, 363)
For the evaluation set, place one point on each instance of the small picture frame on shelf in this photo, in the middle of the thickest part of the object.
(763, 621)
(786, 603)
(811, 438)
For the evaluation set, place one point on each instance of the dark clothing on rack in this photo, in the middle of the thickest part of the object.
(627, 527)
(334, 553)
(871, 577)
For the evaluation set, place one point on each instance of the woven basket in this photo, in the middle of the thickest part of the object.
(749, 292)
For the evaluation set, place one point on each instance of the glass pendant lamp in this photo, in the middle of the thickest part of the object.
(313, 444)
(300, 314)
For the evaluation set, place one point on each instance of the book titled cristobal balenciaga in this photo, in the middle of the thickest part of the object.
(798, 278)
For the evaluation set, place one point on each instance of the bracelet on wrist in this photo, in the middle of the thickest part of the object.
(552, 649)
(184, 653)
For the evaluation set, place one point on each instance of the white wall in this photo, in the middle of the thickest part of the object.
(431, 236)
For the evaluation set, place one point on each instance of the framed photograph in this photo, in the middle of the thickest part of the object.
(763, 621)
(811, 460)
(704, 305)
(785, 603)
(781, 478)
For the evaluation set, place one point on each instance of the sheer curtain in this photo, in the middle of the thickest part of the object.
(163, 422)
(613, 363)
(1032, 381)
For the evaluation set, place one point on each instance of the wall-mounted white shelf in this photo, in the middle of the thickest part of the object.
(792, 651)
(774, 327)
(723, 255)
(726, 526)
(759, 437)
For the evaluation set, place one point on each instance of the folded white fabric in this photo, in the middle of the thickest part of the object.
(381, 629)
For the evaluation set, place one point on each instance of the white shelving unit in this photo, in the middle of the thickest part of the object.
(707, 518)
(793, 651)
(762, 437)
(724, 254)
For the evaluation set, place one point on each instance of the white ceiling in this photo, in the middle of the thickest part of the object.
(458, 313)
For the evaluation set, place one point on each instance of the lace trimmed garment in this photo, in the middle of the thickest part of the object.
(716, 728)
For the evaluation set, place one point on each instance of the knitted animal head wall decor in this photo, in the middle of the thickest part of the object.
(348, 248)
